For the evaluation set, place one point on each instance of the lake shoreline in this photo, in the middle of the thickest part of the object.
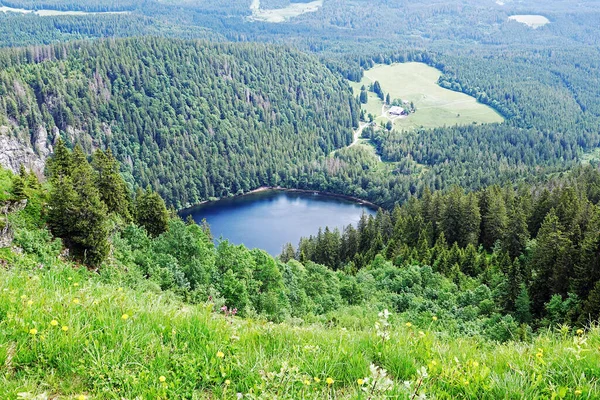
(284, 189)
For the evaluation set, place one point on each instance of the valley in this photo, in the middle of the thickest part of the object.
(293, 199)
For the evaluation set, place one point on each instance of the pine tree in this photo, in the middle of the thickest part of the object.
(493, 217)
(19, 187)
(76, 213)
(587, 270)
(523, 306)
(151, 213)
(550, 262)
(60, 164)
(516, 234)
(113, 189)
(591, 308)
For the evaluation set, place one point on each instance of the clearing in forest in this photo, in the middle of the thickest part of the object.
(279, 15)
(435, 106)
(532, 21)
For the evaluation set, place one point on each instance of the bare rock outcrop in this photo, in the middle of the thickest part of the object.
(14, 153)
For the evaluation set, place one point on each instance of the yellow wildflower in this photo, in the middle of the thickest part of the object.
(124, 316)
(23, 297)
(81, 397)
(30, 302)
(220, 354)
(578, 392)
(76, 284)
(475, 364)
(408, 324)
(65, 328)
(162, 378)
(227, 382)
(33, 331)
(360, 382)
(120, 289)
(75, 301)
(54, 322)
(306, 382)
(329, 381)
(317, 379)
(580, 332)
(434, 318)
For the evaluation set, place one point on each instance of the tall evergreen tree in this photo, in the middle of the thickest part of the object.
(113, 189)
(151, 212)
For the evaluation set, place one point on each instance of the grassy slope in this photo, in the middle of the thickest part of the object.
(435, 105)
(102, 355)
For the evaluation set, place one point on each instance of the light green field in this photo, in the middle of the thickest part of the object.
(532, 21)
(279, 15)
(436, 106)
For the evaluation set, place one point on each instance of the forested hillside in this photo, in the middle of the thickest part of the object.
(535, 247)
(194, 120)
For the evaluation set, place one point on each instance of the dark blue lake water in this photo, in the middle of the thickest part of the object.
(270, 219)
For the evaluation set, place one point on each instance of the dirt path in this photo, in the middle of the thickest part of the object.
(357, 133)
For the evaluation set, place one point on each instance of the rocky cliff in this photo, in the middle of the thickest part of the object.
(14, 152)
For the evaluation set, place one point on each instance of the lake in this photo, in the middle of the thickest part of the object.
(270, 219)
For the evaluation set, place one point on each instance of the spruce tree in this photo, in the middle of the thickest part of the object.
(151, 212)
(113, 189)
(523, 306)
(19, 187)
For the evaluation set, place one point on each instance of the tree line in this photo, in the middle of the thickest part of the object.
(537, 246)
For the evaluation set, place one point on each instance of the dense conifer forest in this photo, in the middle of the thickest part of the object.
(194, 120)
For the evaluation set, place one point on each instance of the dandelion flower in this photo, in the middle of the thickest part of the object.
(360, 382)
(434, 318)
(329, 381)
(65, 328)
(54, 322)
(75, 301)
(408, 324)
(81, 397)
(227, 382)
(76, 284)
(120, 289)
(306, 382)
(475, 364)
(580, 332)
(317, 379)
(162, 378)
(33, 331)
(220, 354)
(124, 316)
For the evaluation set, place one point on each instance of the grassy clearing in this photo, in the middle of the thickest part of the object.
(283, 14)
(436, 106)
(532, 21)
(70, 334)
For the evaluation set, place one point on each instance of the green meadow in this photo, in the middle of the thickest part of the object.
(436, 106)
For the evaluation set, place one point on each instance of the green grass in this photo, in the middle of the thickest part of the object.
(436, 106)
(204, 355)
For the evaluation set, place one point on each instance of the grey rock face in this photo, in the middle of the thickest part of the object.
(13, 153)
